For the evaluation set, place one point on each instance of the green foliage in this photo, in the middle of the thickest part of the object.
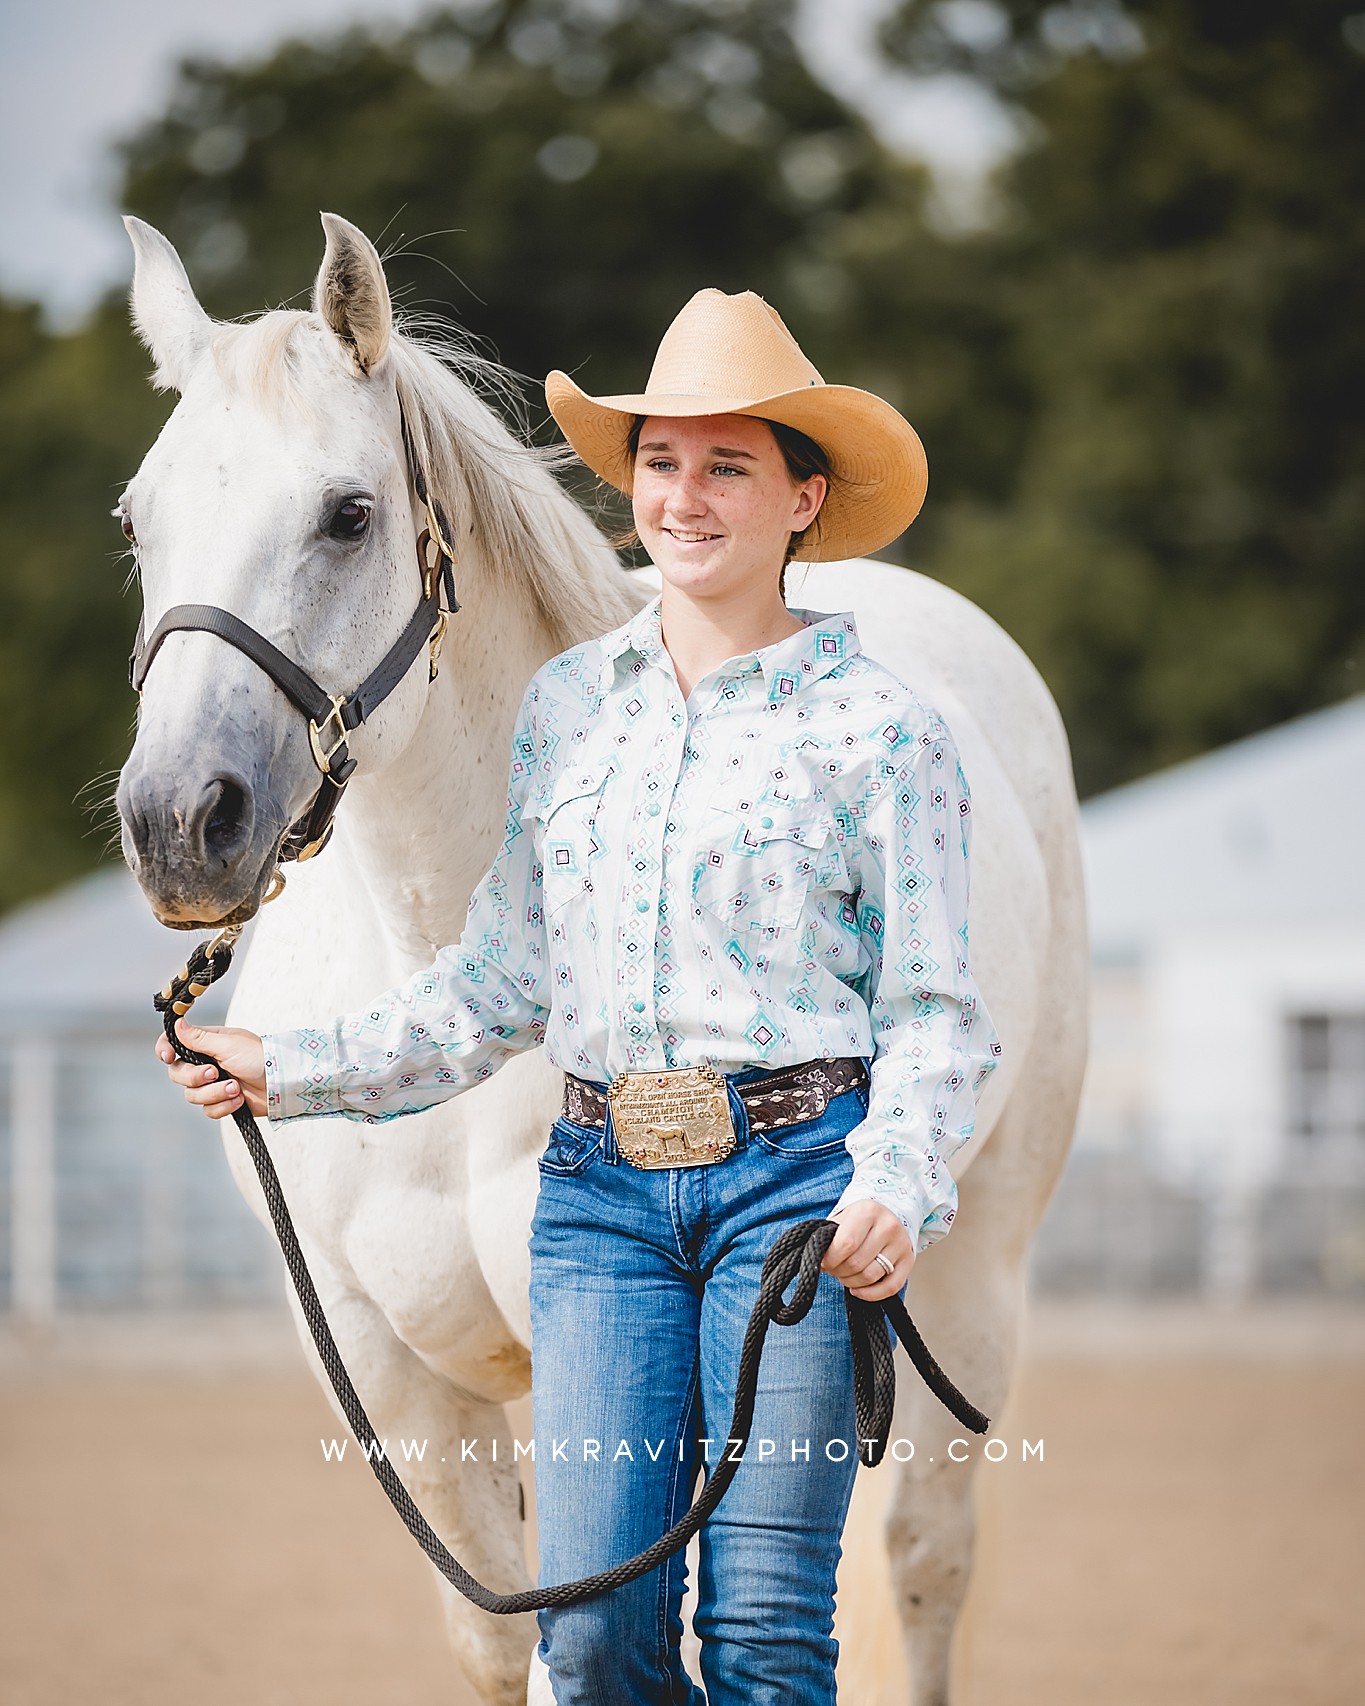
(581, 172)
(1177, 538)
(1138, 386)
(582, 178)
(75, 414)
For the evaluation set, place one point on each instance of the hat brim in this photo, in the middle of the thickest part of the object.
(880, 472)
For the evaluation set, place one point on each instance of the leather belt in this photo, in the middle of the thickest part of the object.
(781, 1098)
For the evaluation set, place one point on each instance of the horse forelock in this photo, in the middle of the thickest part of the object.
(262, 359)
(499, 491)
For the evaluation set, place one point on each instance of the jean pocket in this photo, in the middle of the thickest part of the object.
(820, 1136)
(570, 1148)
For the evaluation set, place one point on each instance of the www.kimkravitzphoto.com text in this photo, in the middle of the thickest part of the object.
(590, 1450)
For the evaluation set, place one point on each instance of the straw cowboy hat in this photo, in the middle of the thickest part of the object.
(731, 355)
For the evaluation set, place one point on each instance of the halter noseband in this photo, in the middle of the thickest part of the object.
(331, 716)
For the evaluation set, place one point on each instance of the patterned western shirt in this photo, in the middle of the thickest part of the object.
(773, 870)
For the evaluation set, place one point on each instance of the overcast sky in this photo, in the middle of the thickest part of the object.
(75, 74)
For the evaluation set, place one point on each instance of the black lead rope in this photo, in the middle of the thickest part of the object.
(795, 1255)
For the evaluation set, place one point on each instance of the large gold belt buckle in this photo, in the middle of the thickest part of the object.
(672, 1119)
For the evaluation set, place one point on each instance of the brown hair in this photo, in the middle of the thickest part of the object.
(803, 456)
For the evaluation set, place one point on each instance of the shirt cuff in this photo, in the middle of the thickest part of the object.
(926, 1212)
(300, 1074)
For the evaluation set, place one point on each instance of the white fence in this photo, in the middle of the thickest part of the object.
(113, 1193)
(1114, 1226)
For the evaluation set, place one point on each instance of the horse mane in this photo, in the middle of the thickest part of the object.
(496, 488)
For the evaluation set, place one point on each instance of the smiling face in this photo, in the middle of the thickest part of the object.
(715, 504)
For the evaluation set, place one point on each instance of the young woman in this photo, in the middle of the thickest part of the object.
(734, 875)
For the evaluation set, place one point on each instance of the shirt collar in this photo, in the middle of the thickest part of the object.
(788, 665)
(642, 635)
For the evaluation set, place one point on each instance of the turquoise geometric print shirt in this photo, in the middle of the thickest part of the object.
(773, 870)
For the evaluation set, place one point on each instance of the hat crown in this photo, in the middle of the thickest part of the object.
(729, 346)
(732, 355)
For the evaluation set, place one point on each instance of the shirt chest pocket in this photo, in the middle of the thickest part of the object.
(572, 835)
(758, 860)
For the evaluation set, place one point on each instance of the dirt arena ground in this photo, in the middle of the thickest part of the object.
(169, 1533)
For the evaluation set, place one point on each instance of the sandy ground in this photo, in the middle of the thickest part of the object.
(1195, 1534)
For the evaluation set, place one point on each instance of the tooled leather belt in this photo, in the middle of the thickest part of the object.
(781, 1098)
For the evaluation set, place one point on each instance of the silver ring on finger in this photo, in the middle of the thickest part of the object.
(886, 1262)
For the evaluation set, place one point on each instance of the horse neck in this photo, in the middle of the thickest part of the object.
(422, 832)
(425, 829)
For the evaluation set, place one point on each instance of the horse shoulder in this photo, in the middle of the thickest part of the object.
(1027, 907)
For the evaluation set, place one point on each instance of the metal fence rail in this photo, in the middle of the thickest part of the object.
(113, 1193)
(115, 1196)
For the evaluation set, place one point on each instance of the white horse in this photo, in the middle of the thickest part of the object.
(416, 1231)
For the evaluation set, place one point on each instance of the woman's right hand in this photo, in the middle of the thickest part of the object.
(242, 1057)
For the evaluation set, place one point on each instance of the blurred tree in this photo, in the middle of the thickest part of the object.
(75, 415)
(1173, 283)
(1138, 385)
(582, 166)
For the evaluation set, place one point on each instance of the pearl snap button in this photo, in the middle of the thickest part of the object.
(639, 1006)
(642, 906)
(766, 822)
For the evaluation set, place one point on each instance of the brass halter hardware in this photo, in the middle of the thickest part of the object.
(437, 638)
(228, 936)
(433, 552)
(442, 546)
(322, 759)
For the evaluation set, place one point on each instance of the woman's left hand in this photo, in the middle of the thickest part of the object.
(864, 1229)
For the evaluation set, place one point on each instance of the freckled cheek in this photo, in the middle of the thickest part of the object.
(646, 508)
(768, 516)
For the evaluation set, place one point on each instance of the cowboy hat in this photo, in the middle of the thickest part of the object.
(732, 355)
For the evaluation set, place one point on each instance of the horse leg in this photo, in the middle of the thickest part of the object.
(930, 1523)
(466, 1483)
(477, 1510)
(967, 1298)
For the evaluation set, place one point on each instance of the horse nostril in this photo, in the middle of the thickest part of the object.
(225, 820)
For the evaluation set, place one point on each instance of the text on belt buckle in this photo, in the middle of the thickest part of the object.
(679, 1118)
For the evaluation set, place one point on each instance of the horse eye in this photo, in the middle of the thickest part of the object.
(349, 519)
(125, 521)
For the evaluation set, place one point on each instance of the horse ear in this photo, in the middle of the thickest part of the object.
(166, 311)
(352, 294)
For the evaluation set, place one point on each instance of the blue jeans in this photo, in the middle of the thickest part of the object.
(642, 1283)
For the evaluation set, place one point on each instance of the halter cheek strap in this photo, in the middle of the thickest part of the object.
(331, 716)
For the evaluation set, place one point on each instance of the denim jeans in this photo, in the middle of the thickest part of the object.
(642, 1283)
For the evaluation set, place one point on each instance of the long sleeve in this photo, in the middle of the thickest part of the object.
(452, 1025)
(935, 1044)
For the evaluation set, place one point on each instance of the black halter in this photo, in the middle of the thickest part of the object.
(331, 716)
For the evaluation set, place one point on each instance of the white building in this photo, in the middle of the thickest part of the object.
(113, 1193)
(1227, 904)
